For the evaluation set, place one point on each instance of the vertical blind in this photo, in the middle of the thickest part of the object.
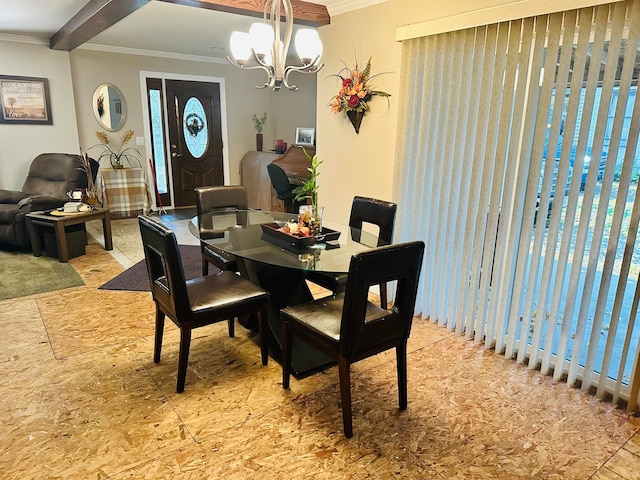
(518, 142)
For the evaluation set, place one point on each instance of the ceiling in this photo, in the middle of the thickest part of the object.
(156, 27)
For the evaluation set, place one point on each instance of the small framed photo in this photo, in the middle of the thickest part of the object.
(24, 100)
(305, 136)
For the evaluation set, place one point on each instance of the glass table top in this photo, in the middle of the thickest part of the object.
(253, 235)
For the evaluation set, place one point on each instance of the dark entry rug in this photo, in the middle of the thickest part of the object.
(136, 278)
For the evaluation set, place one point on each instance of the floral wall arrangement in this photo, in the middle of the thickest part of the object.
(355, 93)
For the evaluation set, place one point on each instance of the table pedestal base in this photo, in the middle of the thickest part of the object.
(287, 287)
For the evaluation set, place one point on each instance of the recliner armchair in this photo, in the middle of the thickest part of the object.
(51, 176)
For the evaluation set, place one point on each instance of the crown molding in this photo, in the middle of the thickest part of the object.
(151, 53)
(350, 5)
(7, 37)
(121, 50)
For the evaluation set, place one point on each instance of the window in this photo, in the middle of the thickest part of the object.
(553, 290)
(156, 118)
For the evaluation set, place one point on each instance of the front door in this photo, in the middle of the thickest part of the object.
(195, 137)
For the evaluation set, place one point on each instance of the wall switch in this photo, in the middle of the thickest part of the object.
(139, 140)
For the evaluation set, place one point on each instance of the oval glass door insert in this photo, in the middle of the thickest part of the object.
(196, 132)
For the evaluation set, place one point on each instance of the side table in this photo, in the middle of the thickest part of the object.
(37, 222)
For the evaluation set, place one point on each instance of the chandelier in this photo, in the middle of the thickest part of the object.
(269, 51)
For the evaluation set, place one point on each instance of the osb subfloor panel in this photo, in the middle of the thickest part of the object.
(82, 399)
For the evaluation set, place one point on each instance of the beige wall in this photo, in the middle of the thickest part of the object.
(19, 144)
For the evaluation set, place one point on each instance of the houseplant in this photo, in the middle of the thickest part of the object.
(117, 156)
(355, 93)
(258, 123)
(309, 191)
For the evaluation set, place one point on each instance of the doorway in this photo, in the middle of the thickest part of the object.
(185, 125)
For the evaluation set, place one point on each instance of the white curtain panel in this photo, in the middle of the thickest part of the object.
(518, 165)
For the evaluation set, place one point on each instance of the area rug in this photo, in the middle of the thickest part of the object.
(136, 278)
(22, 274)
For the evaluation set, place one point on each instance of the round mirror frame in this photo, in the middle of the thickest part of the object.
(109, 107)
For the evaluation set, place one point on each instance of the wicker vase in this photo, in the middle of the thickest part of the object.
(356, 119)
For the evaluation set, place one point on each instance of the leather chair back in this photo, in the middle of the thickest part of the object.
(164, 265)
(54, 174)
(228, 196)
(376, 212)
(208, 199)
(362, 335)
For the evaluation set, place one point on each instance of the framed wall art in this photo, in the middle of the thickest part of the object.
(305, 136)
(24, 100)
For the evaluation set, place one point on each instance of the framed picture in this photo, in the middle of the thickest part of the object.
(305, 136)
(24, 100)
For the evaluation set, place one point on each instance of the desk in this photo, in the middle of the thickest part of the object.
(38, 221)
(123, 191)
(279, 267)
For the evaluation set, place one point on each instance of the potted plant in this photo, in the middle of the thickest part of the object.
(311, 217)
(258, 123)
(118, 156)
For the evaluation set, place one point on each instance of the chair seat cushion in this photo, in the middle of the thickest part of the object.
(324, 315)
(218, 291)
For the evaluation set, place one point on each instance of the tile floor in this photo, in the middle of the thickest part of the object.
(82, 399)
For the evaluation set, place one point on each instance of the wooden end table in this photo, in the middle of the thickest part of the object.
(38, 221)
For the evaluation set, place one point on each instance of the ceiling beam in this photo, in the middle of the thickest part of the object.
(304, 13)
(95, 17)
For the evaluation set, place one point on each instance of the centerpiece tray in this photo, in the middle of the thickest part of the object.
(273, 230)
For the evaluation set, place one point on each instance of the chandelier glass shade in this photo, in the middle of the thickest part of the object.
(264, 48)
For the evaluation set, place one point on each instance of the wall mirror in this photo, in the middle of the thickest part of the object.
(109, 107)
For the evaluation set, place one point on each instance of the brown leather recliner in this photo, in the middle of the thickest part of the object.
(50, 177)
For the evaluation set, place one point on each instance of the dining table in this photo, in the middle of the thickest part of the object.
(279, 262)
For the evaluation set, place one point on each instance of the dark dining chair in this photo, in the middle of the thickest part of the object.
(283, 188)
(217, 198)
(349, 328)
(198, 302)
(363, 210)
